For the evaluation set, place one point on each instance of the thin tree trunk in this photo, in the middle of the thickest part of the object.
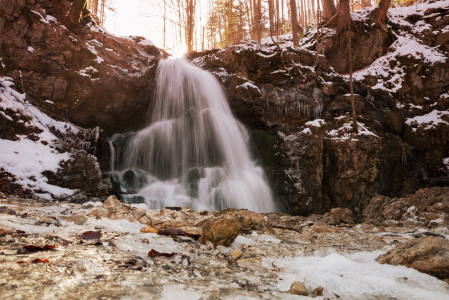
(313, 10)
(259, 20)
(298, 12)
(304, 8)
(317, 30)
(249, 14)
(271, 16)
(283, 17)
(277, 17)
(294, 20)
(354, 114)
(165, 16)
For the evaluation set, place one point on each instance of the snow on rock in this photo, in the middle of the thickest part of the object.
(446, 163)
(316, 123)
(88, 69)
(344, 133)
(26, 159)
(247, 85)
(431, 119)
(146, 42)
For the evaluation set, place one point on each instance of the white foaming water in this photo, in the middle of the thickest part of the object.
(194, 151)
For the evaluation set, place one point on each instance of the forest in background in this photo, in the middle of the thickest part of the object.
(211, 24)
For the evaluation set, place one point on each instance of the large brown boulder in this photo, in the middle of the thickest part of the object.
(220, 232)
(427, 254)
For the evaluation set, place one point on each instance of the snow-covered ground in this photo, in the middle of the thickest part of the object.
(275, 261)
(27, 158)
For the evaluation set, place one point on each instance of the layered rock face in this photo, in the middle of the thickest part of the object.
(78, 71)
(299, 111)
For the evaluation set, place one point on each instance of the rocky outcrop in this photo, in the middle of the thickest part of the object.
(299, 111)
(82, 172)
(427, 254)
(80, 72)
(426, 208)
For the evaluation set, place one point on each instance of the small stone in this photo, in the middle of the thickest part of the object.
(326, 229)
(149, 230)
(298, 288)
(251, 266)
(318, 291)
(236, 253)
(77, 219)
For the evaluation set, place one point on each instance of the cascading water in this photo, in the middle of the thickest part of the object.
(193, 152)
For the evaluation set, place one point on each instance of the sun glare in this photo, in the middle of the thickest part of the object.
(179, 51)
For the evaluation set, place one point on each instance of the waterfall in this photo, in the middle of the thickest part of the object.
(193, 151)
(112, 153)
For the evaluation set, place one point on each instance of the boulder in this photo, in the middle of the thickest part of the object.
(342, 215)
(220, 231)
(427, 254)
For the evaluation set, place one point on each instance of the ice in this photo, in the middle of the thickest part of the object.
(179, 291)
(359, 276)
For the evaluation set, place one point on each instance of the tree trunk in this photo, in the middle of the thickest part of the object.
(75, 12)
(259, 19)
(165, 17)
(294, 23)
(313, 10)
(355, 128)
(249, 14)
(329, 9)
(366, 3)
(283, 18)
(317, 31)
(342, 18)
(271, 16)
(379, 14)
(304, 13)
(277, 17)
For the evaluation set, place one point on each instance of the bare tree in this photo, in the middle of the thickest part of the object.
(329, 9)
(355, 127)
(294, 20)
(380, 12)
